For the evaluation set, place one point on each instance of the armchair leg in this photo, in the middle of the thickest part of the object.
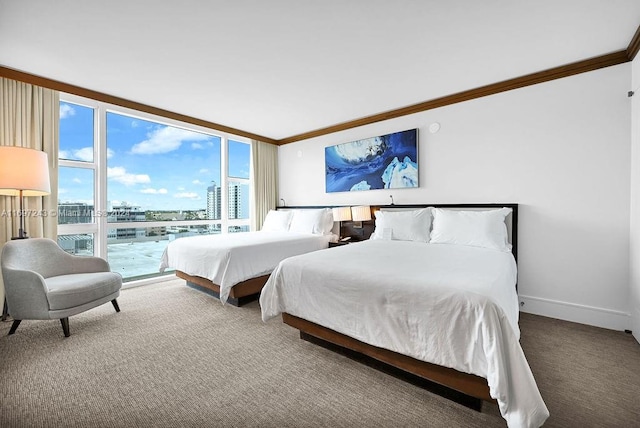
(5, 310)
(14, 326)
(115, 305)
(65, 326)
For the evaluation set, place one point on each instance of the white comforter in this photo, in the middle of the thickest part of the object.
(450, 305)
(228, 259)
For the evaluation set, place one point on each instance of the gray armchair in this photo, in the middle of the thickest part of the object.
(43, 282)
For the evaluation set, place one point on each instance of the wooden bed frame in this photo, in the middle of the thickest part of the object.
(467, 389)
(241, 293)
(464, 388)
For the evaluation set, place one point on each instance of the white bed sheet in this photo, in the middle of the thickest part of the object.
(450, 305)
(228, 259)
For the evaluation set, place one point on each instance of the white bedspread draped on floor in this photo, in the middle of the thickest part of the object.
(450, 305)
(228, 259)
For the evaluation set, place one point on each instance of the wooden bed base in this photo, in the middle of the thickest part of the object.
(241, 293)
(466, 389)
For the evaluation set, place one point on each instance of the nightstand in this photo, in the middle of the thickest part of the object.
(338, 244)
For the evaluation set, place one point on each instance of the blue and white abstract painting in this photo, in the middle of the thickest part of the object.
(386, 162)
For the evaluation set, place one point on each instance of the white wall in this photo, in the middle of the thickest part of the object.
(560, 149)
(635, 201)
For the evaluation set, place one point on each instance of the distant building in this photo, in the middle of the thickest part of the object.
(74, 212)
(157, 231)
(125, 213)
(235, 201)
(214, 202)
(76, 244)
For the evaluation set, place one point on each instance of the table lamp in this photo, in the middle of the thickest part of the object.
(341, 214)
(360, 213)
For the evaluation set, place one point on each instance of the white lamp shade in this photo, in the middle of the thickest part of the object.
(341, 214)
(23, 169)
(361, 213)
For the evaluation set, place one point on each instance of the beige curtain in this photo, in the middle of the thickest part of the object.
(264, 177)
(29, 117)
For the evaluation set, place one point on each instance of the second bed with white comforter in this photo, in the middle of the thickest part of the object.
(228, 259)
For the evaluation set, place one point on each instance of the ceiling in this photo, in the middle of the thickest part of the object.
(280, 68)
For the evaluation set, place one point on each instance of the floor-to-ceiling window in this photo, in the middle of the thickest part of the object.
(238, 184)
(130, 182)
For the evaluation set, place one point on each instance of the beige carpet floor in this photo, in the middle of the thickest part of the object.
(175, 357)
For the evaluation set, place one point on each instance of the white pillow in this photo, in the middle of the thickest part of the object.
(310, 221)
(403, 225)
(276, 221)
(328, 222)
(485, 229)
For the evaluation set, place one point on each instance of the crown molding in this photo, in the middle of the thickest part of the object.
(22, 76)
(591, 64)
(634, 45)
(567, 70)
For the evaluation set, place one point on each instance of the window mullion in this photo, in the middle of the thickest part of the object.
(224, 186)
(101, 179)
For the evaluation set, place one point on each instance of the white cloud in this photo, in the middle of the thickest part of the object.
(197, 182)
(121, 175)
(134, 124)
(84, 154)
(197, 146)
(165, 140)
(62, 190)
(203, 171)
(152, 191)
(181, 188)
(188, 195)
(66, 111)
(77, 180)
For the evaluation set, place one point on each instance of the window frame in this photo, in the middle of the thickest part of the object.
(100, 226)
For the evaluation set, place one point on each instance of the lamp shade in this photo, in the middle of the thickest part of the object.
(341, 214)
(23, 169)
(361, 213)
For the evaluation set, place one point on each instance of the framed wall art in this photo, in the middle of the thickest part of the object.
(385, 162)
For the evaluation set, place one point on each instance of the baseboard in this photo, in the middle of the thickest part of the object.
(583, 314)
(635, 321)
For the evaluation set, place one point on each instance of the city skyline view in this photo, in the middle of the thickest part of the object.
(149, 164)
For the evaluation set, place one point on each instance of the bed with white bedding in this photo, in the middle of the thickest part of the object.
(235, 266)
(421, 303)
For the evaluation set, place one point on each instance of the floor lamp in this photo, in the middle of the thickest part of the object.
(23, 172)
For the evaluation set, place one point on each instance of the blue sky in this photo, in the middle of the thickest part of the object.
(149, 165)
